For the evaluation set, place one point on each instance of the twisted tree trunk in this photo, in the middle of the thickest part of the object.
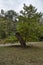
(21, 40)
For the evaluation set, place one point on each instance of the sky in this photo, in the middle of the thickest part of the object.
(17, 5)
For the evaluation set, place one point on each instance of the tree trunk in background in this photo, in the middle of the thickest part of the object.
(21, 40)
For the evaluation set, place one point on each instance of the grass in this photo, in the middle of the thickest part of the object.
(32, 55)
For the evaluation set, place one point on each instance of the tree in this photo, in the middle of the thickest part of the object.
(26, 26)
(29, 23)
(10, 14)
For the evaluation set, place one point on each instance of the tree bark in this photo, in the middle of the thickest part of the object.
(21, 40)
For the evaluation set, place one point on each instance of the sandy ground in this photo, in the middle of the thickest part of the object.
(29, 43)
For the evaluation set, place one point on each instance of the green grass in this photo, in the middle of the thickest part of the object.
(20, 56)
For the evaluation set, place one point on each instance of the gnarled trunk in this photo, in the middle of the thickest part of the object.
(21, 40)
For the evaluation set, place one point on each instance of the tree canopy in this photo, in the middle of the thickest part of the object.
(28, 23)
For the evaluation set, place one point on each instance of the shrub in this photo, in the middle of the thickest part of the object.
(11, 39)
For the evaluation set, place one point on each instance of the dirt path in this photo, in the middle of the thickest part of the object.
(9, 44)
(29, 43)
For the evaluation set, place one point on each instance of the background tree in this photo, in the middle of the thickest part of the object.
(9, 24)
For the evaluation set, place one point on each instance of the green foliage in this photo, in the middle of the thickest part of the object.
(28, 24)
(10, 14)
(23, 28)
(11, 39)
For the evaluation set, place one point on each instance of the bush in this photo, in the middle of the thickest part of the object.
(11, 39)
